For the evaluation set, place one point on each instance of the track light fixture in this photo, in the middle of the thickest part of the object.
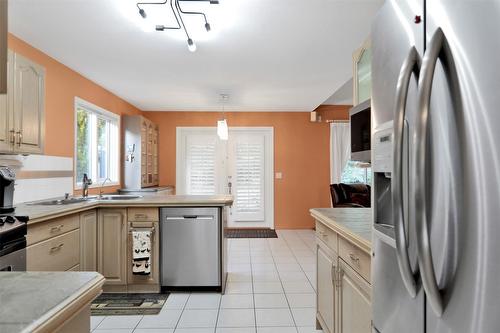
(178, 12)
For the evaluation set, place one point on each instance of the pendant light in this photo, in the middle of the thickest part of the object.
(222, 129)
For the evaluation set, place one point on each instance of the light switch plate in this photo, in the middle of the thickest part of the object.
(279, 175)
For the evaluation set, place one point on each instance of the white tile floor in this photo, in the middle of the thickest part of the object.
(270, 289)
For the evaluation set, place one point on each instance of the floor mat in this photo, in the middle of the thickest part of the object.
(250, 233)
(127, 304)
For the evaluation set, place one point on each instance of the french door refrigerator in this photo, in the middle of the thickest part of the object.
(436, 90)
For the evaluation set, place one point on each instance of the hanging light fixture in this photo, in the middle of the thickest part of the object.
(178, 12)
(222, 129)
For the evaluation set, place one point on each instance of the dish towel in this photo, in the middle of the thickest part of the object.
(141, 249)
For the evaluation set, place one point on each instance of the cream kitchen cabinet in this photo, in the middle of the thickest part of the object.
(354, 315)
(141, 143)
(343, 303)
(144, 219)
(112, 245)
(325, 301)
(22, 110)
(53, 245)
(88, 241)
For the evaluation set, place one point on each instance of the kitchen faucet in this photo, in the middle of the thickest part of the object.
(86, 181)
(100, 189)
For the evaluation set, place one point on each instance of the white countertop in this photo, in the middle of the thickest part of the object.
(29, 300)
(354, 224)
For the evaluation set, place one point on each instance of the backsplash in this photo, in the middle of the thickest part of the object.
(40, 177)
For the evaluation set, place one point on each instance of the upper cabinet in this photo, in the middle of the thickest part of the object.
(362, 80)
(141, 155)
(22, 109)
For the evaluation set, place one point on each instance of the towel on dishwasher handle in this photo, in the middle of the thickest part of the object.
(141, 252)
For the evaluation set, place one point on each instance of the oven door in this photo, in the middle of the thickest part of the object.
(13, 256)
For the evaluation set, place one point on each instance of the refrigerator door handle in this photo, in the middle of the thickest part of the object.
(411, 65)
(438, 49)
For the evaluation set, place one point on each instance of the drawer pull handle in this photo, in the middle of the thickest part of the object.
(56, 228)
(354, 258)
(141, 216)
(323, 234)
(56, 248)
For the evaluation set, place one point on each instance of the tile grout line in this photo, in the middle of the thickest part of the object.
(284, 293)
(253, 291)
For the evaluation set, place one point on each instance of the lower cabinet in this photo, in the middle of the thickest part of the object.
(88, 241)
(144, 219)
(343, 300)
(112, 245)
(325, 301)
(53, 245)
(354, 301)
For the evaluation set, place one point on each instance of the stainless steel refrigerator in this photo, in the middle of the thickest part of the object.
(436, 163)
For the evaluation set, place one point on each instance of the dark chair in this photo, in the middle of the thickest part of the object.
(350, 195)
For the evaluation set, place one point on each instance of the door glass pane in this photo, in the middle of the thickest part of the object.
(102, 149)
(200, 164)
(83, 145)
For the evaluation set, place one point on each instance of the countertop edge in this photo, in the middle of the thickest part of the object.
(58, 315)
(352, 237)
(121, 204)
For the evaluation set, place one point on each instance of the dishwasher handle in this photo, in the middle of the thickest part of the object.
(189, 217)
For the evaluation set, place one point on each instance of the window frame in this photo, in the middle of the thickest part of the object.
(108, 116)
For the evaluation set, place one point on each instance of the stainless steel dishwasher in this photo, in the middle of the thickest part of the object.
(190, 247)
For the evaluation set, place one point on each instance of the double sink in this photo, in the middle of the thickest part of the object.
(69, 201)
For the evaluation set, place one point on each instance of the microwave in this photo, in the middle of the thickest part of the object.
(360, 120)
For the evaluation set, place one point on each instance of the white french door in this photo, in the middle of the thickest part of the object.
(241, 166)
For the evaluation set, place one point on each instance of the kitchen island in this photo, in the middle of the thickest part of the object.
(343, 257)
(47, 301)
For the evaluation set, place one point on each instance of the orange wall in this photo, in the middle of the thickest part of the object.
(62, 84)
(301, 150)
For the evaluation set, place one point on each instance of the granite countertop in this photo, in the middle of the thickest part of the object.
(29, 300)
(38, 213)
(354, 224)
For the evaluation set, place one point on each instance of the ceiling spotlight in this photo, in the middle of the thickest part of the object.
(207, 26)
(191, 45)
(142, 12)
(160, 28)
(214, 2)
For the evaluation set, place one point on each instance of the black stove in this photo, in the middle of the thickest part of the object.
(13, 231)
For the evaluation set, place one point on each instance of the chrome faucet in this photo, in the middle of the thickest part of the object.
(102, 185)
(86, 181)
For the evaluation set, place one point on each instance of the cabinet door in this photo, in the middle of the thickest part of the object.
(6, 125)
(144, 153)
(112, 245)
(325, 301)
(354, 302)
(154, 277)
(28, 105)
(88, 241)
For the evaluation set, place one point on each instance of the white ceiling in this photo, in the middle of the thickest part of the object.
(268, 55)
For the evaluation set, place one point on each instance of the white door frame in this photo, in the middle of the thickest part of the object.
(268, 133)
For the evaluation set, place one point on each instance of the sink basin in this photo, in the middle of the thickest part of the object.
(57, 202)
(120, 197)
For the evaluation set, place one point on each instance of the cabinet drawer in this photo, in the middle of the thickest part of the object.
(56, 254)
(143, 214)
(355, 257)
(44, 230)
(327, 235)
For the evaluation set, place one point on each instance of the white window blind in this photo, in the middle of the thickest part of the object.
(201, 164)
(249, 173)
